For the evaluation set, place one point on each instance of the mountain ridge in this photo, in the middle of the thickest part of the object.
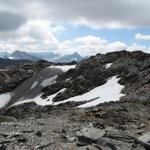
(23, 55)
(49, 56)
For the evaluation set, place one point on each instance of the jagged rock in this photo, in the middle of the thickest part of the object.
(109, 139)
(38, 133)
(87, 136)
(22, 140)
(118, 135)
(131, 67)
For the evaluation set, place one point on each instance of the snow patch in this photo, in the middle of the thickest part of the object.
(39, 101)
(110, 91)
(10, 57)
(108, 65)
(4, 99)
(48, 81)
(34, 85)
(68, 79)
(64, 68)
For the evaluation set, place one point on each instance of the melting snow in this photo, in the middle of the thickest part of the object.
(39, 101)
(68, 79)
(64, 68)
(110, 91)
(108, 65)
(48, 81)
(34, 85)
(4, 99)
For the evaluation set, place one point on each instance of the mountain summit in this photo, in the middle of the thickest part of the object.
(72, 57)
(23, 55)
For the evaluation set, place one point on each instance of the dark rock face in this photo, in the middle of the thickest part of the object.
(12, 77)
(131, 67)
(5, 62)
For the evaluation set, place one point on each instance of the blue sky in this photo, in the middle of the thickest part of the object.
(124, 35)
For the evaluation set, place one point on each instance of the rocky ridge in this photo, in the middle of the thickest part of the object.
(107, 126)
(132, 69)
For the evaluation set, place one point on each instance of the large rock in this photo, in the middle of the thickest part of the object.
(108, 139)
(87, 136)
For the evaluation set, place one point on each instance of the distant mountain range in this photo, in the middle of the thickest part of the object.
(4, 54)
(68, 58)
(23, 55)
(49, 56)
(35, 56)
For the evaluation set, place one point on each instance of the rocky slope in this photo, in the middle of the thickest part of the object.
(118, 125)
(12, 77)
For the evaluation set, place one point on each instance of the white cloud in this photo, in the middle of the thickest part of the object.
(90, 45)
(40, 35)
(96, 14)
(100, 24)
(33, 36)
(137, 47)
(139, 36)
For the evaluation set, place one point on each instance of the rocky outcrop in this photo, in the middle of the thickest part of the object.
(108, 139)
(12, 77)
(131, 67)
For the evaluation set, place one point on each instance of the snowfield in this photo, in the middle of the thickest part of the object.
(64, 68)
(48, 81)
(34, 85)
(4, 99)
(108, 65)
(110, 91)
(39, 101)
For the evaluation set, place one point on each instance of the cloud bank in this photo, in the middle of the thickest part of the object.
(139, 36)
(29, 24)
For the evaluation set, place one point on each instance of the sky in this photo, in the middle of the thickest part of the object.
(67, 26)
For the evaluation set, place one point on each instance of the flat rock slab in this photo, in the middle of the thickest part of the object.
(88, 136)
(145, 140)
